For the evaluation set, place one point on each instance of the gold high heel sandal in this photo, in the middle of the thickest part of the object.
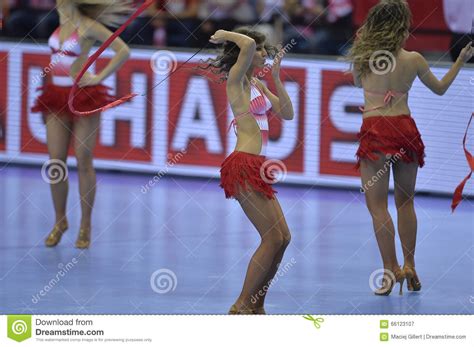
(413, 283)
(55, 235)
(84, 238)
(389, 281)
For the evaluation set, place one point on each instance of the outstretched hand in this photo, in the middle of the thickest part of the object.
(467, 52)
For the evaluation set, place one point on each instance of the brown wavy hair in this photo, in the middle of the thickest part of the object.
(385, 29)
(221, 65)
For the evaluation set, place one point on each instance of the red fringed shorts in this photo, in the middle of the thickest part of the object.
(243, 171)
(54, 99)
(394, 135)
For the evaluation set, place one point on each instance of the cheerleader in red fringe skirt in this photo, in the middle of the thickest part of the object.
(389, 138)
(243, 174)
(82, 23)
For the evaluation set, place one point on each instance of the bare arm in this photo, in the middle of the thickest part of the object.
(281, 104)
(247, 47)
(98, 32)
(440, 87)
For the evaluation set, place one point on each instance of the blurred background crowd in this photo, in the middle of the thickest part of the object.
(324, 27)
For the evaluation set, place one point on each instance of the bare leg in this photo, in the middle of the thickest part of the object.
(85, 134)
(270, 223)
(405, 179)
(276, 261)
(375, 177)
(58, 133)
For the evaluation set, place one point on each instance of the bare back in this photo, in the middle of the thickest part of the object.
(399, 79)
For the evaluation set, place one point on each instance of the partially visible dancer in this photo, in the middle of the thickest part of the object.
(82, 24)
(243, 174)
(389, 136)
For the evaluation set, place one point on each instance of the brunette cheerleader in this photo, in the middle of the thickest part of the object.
(242, 176)
(82, 24)
(389, 137)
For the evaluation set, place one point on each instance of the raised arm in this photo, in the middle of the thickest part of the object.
(281, 104)
(247, 47)
(441, 86)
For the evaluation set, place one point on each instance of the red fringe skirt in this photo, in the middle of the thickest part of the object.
(241, 170)
(54, 99)
(394, 135)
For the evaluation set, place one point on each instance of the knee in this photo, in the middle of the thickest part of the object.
(405, 203)
(379, 213)
(286, 235)
(277, 239)
(84, 160)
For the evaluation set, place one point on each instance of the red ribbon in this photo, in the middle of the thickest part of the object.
(470, 160)
(95, 56)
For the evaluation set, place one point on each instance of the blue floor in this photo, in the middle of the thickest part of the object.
(186, 227)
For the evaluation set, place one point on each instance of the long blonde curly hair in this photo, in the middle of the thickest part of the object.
(385, 29)
(111, 13)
